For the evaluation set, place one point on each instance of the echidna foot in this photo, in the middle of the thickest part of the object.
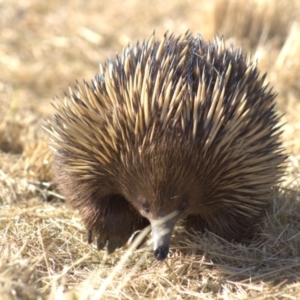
(111, 241)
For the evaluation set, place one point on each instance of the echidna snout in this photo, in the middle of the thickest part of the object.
(161, 252)
(161, 235)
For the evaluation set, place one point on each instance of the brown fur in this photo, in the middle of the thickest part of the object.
(173, 125)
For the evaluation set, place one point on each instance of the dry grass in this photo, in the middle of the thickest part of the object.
(43, 253)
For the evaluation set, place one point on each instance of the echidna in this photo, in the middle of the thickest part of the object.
(178, 126)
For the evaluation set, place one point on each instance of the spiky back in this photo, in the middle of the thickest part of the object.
(185, 93)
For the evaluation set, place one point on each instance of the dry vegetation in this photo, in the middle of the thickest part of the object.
(46, 45)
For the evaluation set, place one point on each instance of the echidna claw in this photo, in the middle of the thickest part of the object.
(90, 236)
(101, 242)
(112, 246)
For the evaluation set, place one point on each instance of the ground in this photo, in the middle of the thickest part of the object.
(47, 46)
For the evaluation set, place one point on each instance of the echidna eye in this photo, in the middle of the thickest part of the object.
(183, 206)
(145, 206)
